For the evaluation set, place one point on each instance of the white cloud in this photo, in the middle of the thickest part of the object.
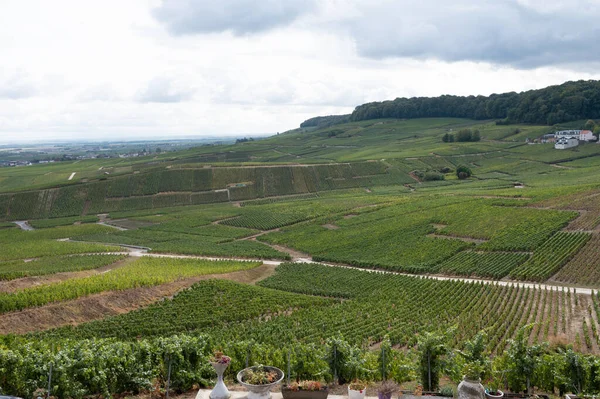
(164, 90)
(111, 69)
(16, 85)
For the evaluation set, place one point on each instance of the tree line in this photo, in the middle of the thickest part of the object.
(554, 104)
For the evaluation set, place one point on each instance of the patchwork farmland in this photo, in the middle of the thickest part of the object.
(360, 235)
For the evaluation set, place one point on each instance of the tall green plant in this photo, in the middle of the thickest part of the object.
(432, 347)
(476, 356)
(523, 359)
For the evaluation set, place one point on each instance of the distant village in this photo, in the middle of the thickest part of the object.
(69, 157)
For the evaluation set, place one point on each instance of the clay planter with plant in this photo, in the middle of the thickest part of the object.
(305, 390)
(259, 380)
(386, 389)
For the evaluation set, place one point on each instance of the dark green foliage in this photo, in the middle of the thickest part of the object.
(465, 135)
(432, 176)
(554, 104)
(448, 138)
(463, 172)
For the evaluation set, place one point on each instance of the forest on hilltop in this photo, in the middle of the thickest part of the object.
(567, 102)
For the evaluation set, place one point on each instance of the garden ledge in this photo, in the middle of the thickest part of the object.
(204, 394)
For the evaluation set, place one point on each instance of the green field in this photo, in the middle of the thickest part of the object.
(377, 202)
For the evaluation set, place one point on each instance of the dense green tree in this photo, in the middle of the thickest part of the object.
(464, 135)
(463, 172)
(589, 125)
(554, 104)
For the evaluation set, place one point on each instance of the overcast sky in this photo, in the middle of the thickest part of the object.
(145, 68)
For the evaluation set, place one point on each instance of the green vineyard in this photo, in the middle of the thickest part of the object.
(145, 272)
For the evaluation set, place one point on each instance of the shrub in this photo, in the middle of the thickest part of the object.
(463, 172)
(432, 176)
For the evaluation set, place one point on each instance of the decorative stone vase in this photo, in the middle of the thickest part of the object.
(260, 391)
(499, 394)
(220, 391)
(470, 389)
(381, 395)
(357, 394)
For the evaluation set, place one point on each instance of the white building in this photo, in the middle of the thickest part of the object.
(566, 142)
(587, 135)
(567, 134)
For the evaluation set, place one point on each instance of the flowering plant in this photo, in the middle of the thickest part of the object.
(220, 358)
(259, 375)
(357, 385)
(305, 386)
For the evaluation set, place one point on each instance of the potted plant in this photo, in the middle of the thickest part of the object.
(220, 362)
(357, 390)
(259, 380)
(386, 389)
(307, 389)
(492, 391)
(355, 365)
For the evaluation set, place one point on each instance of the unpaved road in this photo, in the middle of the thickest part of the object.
(580, 290)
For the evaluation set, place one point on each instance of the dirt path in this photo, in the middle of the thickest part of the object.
(111, 303)
(24, 225)
(414, 177)
(34, 281)
(465, 239)
(111, 225)
(297, 256)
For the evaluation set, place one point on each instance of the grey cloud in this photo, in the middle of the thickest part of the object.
(16, 86)
(183, 17)
(162, 90)
(522, 33)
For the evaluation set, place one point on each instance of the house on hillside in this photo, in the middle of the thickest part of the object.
(587, 135)
(566, 142)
